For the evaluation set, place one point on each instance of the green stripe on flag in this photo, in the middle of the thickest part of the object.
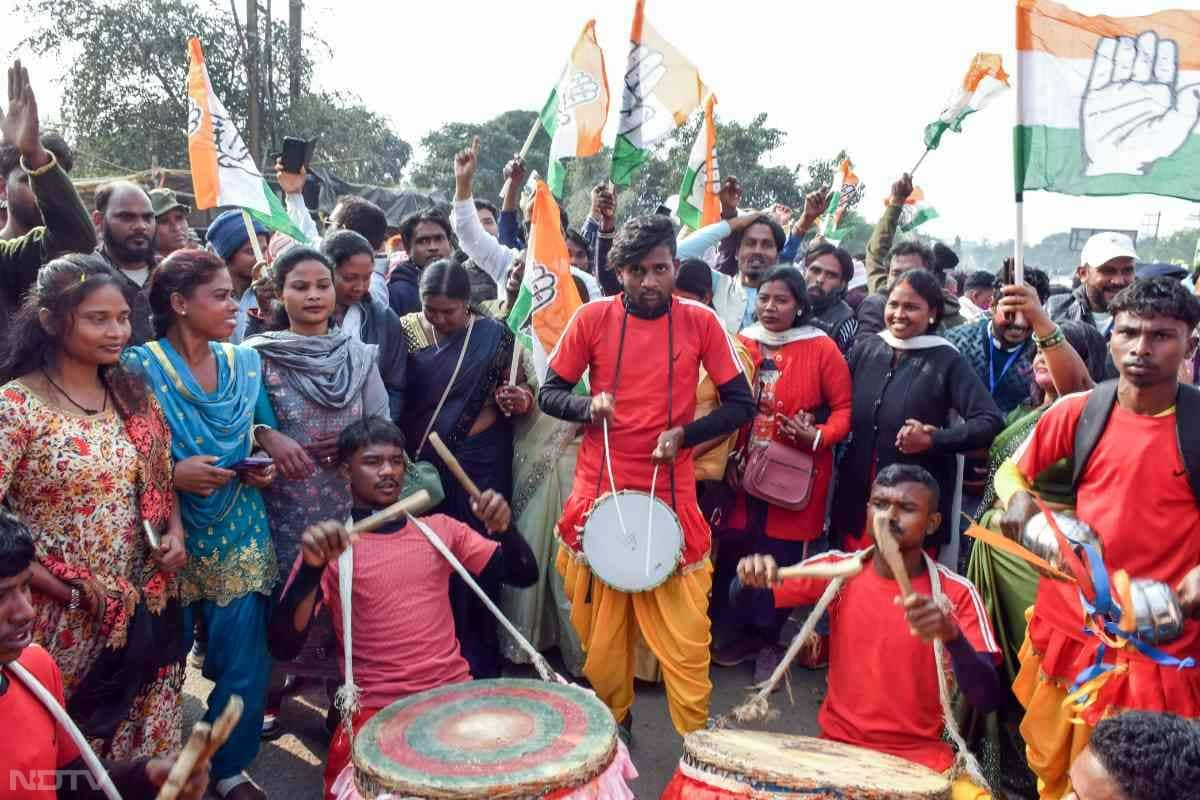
(556, 177)
(1053, 159)
(521, 310)
(278, 219)
(549, 115)
(934, 130)
(627, 157)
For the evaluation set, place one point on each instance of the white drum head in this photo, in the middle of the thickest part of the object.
(647, 556)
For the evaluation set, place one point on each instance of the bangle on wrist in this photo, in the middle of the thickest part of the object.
(42, 170)
(257, 431)
(1054, 339)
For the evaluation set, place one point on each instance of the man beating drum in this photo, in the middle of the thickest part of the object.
(642, 351)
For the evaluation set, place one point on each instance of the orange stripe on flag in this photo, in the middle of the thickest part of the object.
(553, 303)
(202, 148)
(711, 213)
(982, 65)
(587, 57)
(1055, 29)
(639, 19)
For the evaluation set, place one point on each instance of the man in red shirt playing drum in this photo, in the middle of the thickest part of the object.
(1136, 455)
(883, 684)
(38, 758)
(642, 351)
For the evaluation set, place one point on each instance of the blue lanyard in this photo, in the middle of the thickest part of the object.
(994, 381)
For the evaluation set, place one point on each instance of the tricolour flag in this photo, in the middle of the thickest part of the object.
(985, 79)
(916, 210)
(1107, 105)
(699, 195)
(575, 113)
(548, 296)
(223, 171)
(846, 187)
(662, 89)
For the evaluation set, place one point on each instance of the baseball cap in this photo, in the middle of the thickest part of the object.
(1105, 246)
(164, 200)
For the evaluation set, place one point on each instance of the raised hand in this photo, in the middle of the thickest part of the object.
(730, 195)
(1134, 113)
(290, 182)
(815, 204)
(901, 189)
(20, 125)
(646, 69)
(604, 204)
(465, 163)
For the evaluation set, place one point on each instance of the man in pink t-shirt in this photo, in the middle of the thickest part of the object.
(403, 629)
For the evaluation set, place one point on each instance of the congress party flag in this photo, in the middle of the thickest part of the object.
(574, 114)
(1107, 105)
(223, 171)
(548, 297)
(699, 195)
(846, 187)
(662, 89)
(916, 211)
(984, 81)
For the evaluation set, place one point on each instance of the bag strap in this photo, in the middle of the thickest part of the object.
(449, 385)
(1090, 428)
(1187, 413)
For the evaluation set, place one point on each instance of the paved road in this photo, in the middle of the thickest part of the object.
(290, 768)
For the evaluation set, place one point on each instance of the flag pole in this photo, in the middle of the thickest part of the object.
(533, 130)
(1019, 175)
(258, 253)
(919, 160)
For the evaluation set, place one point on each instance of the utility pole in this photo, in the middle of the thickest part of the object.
(253, 84)
(295, 48)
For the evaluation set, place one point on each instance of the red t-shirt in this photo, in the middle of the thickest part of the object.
(403, 628)
(883, 691)
(32, 744)
(591, 342)
(1134, 493)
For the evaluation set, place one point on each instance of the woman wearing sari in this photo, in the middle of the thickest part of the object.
(907, 382)
(458, 386)
(1007, 584)
(212, 394)
(85, 462)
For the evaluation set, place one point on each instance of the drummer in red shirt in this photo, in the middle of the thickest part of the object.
(38, 758)
(642, 351)
(402, 629)
(883, 686)
(1136, 454)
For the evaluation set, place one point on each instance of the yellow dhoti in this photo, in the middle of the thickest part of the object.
(1053, 736)
(673, 621)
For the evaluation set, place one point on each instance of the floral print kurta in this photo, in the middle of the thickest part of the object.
(73, 480)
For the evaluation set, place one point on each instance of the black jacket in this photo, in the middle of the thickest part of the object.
(141, 318)
(1075, 307)
(381, 326)
(404, 294)
(926, 385)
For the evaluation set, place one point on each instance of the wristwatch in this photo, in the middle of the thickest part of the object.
(74, 603)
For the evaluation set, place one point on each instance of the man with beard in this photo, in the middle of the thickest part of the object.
(1107, 267)
(643, 351)
(171, 216)
(828, 269)
(46, 217)
(756, 239)
(125, 218)
(1134, 451)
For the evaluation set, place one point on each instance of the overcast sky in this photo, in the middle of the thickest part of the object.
(865, 75)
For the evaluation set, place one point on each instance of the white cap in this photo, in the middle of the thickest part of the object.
(1104, 247)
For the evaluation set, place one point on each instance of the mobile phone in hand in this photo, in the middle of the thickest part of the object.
(296, 153)
(252, 463)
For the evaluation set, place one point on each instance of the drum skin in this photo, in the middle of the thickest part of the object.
(503, 738)
(622, 563)
(782, 766)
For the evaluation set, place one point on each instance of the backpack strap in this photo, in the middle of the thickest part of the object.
(1092, 423)
(1187, 413)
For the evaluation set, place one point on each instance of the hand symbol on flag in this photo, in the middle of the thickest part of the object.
(1132, 113)
(583, 88)
(646, 69)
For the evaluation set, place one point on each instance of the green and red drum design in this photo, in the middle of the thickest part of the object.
(504, 738)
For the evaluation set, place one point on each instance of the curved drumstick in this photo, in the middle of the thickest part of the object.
(890, 551)
(201, 745)
(417, 501)
(844, 568)
(452, 464)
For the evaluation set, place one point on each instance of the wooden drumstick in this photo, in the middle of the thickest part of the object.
(201, 745)
(452, 464)
(890, 551)
(406, 505)
(845, 568)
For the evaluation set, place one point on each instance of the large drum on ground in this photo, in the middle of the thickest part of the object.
(501, 738)
(741, 764)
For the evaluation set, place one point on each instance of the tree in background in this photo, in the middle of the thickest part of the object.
(125, 95)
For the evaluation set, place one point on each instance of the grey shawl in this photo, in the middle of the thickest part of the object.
(328, 370)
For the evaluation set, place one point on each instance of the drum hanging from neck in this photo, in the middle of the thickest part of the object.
(740, 764)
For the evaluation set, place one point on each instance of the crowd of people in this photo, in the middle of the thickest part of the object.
(190, 426)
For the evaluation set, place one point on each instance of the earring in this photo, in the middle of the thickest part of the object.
(932, 321)
(184, 313)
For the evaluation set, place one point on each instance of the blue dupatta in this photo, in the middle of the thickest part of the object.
(202, 424)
